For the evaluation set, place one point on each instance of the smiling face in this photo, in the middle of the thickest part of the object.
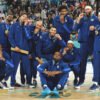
(57, 56)
(53, 31)
(63, 12)
(10, 18)
(70, 45)
(23, 18)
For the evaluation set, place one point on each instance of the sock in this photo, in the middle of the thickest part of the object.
(3, 81)
(95, 83)
(45, 86)
(58, 86)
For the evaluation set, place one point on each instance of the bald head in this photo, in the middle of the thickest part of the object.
(88, 7)
(88, 10)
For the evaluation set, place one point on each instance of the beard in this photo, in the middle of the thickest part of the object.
(9, 21)
(22, 23)
(56, 60)
(88, 14)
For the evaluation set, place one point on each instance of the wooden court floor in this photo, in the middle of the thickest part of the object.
(23, 94)
(68, 94)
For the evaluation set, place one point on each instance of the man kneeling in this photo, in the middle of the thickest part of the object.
(53, 75)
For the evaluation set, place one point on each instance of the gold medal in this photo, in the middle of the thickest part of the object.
(6, 32)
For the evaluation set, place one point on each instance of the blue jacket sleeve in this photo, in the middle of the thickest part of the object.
(8, 60)
(61, 43)
(77, 26)
(66, 69)
(39, 49)
(77, 59)
(28, 32)
(69, 26)
(42, 67)
(11, 36)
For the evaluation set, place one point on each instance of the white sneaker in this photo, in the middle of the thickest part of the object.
(31, 86)
(23, 85)
(77, 87)
(66, 86)
(3, 86)
(12, 88)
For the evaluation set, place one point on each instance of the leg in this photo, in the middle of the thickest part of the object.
(26, 67)
(84, 56)
(43, 79)
(46, 81)
(96, 71)
(8, 72)
(75, 69)
(2, 70)
(35, 64)
(63, 80)
(16, 60)
(96, 67)
(22, 74)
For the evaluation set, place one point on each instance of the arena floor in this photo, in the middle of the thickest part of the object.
(68, 94)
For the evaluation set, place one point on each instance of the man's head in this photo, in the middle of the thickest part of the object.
(57, 56)
(9, 18)
(53, 31)
(23, 18)
(63, 10)
(70, 44)
(39, 24)
(88, 10)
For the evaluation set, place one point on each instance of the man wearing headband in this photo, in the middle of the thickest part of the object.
(71, 56)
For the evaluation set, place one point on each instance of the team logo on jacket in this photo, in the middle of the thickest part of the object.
(58, 66)
(72, 53)
(65, 20)
(92, 20)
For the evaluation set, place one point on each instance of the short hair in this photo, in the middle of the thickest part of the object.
(22, 13)
(62, 7)
(39, 21)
